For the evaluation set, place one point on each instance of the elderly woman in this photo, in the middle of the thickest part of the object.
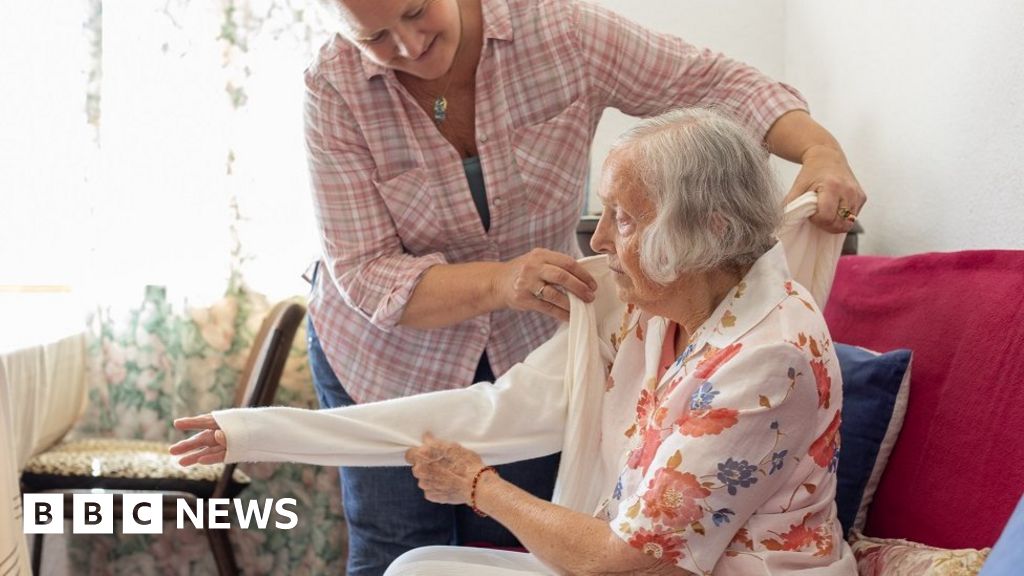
(705, 440)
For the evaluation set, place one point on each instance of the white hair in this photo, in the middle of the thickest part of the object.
(715, 195)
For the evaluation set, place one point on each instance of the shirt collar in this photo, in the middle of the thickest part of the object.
(497, 24)
(497, 20)
(370, 68)
(765, 285)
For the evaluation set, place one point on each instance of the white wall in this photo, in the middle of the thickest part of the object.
(925, 96)
(747, 30)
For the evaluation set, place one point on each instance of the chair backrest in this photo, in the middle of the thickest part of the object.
(262, 374)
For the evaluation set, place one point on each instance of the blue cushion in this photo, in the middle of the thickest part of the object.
(871, 386)
(1007, 555)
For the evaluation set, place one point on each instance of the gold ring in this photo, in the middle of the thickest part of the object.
(846, 214)
(539, 294)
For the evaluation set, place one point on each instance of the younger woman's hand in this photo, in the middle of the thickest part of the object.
(840, 197)
(208, 447)
(540, 279)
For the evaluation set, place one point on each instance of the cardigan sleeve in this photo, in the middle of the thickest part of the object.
(520, 416)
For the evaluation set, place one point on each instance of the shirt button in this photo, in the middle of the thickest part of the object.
(497, 201)
(483, 331)
(483, 137)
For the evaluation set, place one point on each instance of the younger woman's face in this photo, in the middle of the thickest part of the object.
(418, 37)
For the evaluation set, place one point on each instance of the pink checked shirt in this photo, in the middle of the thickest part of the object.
(391, 196)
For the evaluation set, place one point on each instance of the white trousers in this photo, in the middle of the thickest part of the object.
(458, 561)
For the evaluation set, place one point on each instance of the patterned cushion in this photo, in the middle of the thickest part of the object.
(122, 465)
(892, 557)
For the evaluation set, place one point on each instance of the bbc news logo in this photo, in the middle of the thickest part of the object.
(144, 513)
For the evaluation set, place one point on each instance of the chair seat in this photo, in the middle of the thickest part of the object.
(116, 464)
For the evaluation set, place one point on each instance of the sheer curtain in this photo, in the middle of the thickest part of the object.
(201, 162)
(154, 142)
(152, 174)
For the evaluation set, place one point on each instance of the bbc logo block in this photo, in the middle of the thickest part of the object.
(43, 514)
(143, 513)
(93, 514)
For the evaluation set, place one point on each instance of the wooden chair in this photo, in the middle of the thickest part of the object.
(113, 466)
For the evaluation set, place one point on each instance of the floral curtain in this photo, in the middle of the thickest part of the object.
(152, 162)
(153, 362)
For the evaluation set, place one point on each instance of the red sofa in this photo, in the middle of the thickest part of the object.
(957, 469)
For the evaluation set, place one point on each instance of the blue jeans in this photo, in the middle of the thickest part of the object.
(386, 512)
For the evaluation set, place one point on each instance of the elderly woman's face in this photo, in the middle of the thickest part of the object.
(418, 37)
(627, 213)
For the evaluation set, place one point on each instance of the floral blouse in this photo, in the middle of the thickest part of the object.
(733, 445)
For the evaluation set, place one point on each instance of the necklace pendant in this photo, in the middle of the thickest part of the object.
(440, 109)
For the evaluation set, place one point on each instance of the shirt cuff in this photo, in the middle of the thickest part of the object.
(381, 292)
(235, 425)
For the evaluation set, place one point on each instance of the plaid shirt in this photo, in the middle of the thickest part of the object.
(392, 200)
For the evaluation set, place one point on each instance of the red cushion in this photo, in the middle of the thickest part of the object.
(958, 468)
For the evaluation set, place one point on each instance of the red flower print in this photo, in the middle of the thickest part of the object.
(798, 538)
(672, 497)
(801, 537)
(702, 422)
(713, 361)
(823, 381)
(642, 456)
(742, 537)
(645, 405)
(667, 547)
(824, 447)
(671, 386)
(659, 416)
(824, 540)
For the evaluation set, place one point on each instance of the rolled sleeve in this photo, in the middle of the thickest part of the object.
(380, 289)
(645, 73)
(364, 255)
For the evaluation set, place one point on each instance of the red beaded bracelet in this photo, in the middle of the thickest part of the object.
(472, 491)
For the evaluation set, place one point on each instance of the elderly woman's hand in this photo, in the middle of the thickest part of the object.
(539, 280)
(840, 197)
(445, 470)
(208, 447)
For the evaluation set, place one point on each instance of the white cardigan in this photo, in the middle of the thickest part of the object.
(550, 402)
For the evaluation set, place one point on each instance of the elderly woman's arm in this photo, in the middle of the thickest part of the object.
(752, 443)
(568, 541)
(520, 416)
